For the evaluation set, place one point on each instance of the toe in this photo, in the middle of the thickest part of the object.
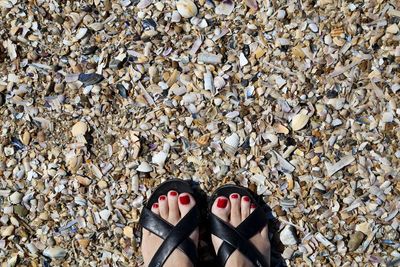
(221, 208)
(163, 207)
(155, 208)
(252, 207)
(245, 207)
(173, 209)
(186, 203)
(236, 217)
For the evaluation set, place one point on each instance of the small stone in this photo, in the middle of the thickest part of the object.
(128, 231)
(387, 117)
(26, 138)
(55, 252)
(16, 197)
(259, 52)
(313, 27)
(299, 121)
(288, 235)
(115, 64)
(80, 128)
(83, 243)
(7, 231)
(315, 160)
(105, 214)
(281, 14)
(355, 240)
(90, 78)
(21, 211)
(83, 180)
(186, 8)
(102, 184)
(394, 29)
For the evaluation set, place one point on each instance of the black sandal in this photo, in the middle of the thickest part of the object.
(174, 236)
(238, 238)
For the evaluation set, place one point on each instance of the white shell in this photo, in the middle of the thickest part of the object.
(243, 60)
(160, 158)
(225, 8)
(288, 236)
(186, 8)
(313, 27)
(55, 252)
(219, 82)
(175, 17)
(79, 128)
(144, 167)
(231, 143)
(331, 169)
(97, 26)
(387, 117)
(81, 33)
(299, 121)
(105, 214)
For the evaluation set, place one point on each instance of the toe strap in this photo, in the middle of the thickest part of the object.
(174, 236)
(238, 238)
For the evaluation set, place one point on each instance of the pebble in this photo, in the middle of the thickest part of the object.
(355, 241)
(288, 235)
(128, 232)
(16, 197)
(102, 184)
(393, 29)
(7, 231)
(281, 14)
(26, 138)
(21, 211)
(105, 214)
(79, 128)
(313, 27)
(55, 252)
(83, 242)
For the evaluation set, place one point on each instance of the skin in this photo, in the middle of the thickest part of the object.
(171, 209)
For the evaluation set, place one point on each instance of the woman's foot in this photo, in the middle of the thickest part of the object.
(171, 208)
(234, 210)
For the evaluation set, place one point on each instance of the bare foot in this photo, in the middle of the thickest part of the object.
(234, 210)
(171, 208)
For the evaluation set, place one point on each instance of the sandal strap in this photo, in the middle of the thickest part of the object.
(175, 237)
(238, 238)
(161, 228)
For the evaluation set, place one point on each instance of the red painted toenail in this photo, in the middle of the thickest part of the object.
(162, 197)
(155, 206)
(246, 198)
(173, 193)
(222, 202)
(235, 196)
(253, 206)
(184, 199)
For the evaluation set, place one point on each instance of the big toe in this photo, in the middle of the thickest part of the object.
(221, 208)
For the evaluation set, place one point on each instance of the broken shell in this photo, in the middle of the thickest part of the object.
(231, 143)
(80, 128)
(7, 231)
(186, 8)
(90, 78)
(159, 158)
(144, 167)
(55, 252)
(299, 121)
(225, 8)
(16, 197)
(288, 235)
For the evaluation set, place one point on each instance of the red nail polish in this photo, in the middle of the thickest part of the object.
(253, 206)
(173, 193)
(246, 198)
(185, 199)
(222, 202)
(162, 198)
(235, 196)
(155, 206)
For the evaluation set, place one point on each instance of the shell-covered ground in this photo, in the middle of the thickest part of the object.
(102, 100)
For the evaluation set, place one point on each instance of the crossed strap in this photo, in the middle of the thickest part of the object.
(238, 238)
(174, 236)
